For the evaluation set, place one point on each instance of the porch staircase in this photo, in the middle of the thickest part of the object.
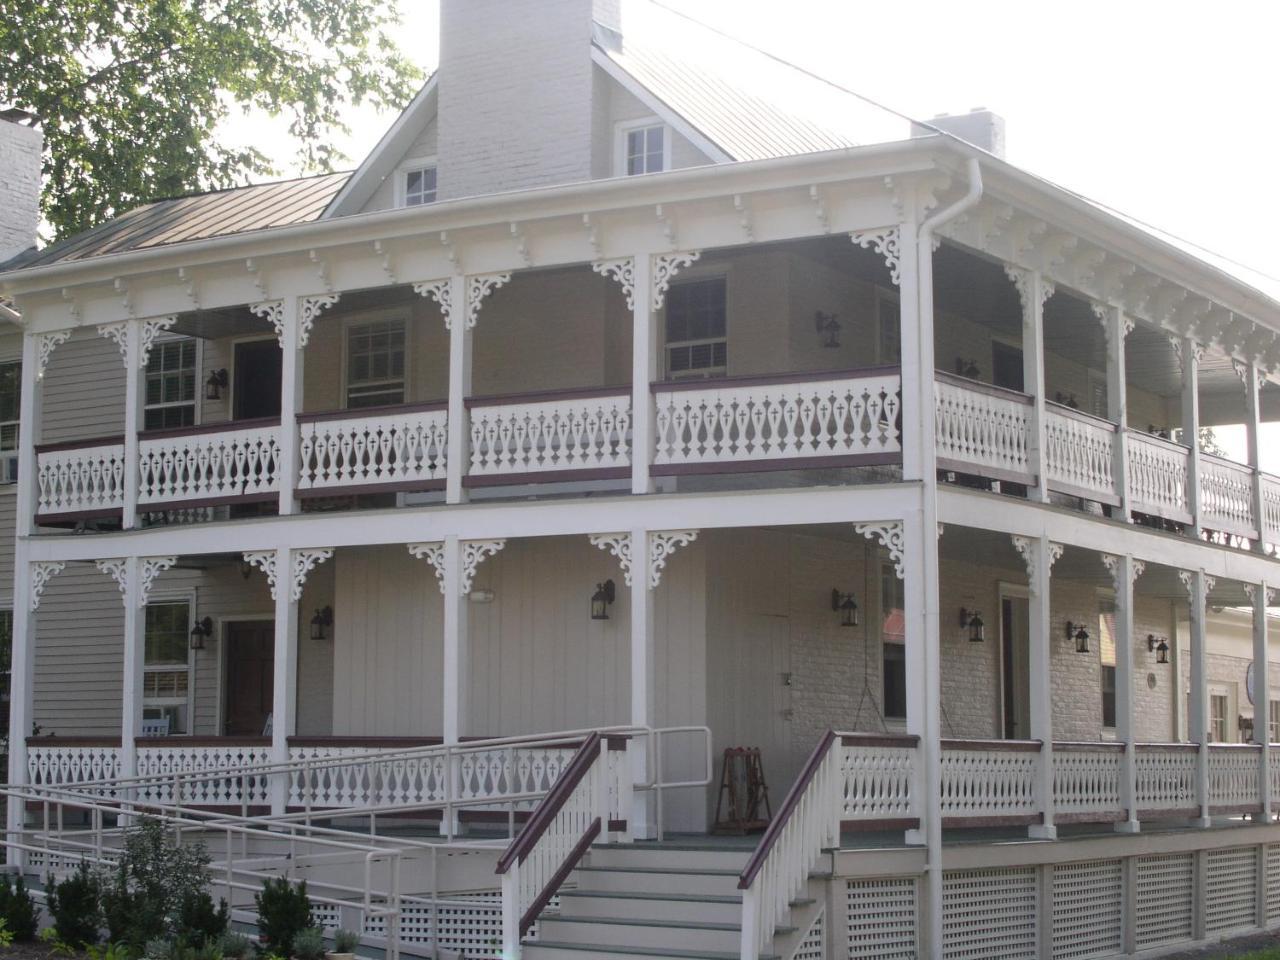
(648, 900)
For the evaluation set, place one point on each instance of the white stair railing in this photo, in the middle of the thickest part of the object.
(807, 823)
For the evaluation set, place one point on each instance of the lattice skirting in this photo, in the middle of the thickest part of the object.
(882, 918)
(1088, 909)
(990, 914)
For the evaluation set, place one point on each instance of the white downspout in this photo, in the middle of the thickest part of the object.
(928, 546)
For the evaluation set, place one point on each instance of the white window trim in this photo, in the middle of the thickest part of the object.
(624, 127)
(1231, 727)
(189, 597)
(198, 400)
(220, 680)
(377, 316)
(694, 275)
(402, 172)
(884, 296)
(7, 486)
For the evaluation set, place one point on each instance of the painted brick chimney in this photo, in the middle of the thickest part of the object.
(20, 149)
(517, 93)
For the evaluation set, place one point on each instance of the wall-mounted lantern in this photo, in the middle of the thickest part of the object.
(600, 600)
(216, 383)
(201, 632)
(1246, 728)
(321, 622)
(971, 620)
(845, 605)
(828, 326)
(1077, 632)
(1159, 646)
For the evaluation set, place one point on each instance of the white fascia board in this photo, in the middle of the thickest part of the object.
(1002, 514)
(485, 521)
(660, 107)
(382, 161)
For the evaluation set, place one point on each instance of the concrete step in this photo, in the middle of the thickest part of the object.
(651, 906)
(550, 950)
(651, 934)
(668, 856)
(722, 883)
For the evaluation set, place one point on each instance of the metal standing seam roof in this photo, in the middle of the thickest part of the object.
(197, 217)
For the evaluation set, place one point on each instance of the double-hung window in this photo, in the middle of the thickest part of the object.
(420, 186)
(696, 328)
(644, 149)
(1218, 707)
(171, 385)
(10, 402)
(375, 363)
(1273, 721)
(1107, 655)
(166, 681)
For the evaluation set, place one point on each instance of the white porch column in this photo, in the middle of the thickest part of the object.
(1039, 554)
(134, 404)
(1124, 571)
(1117, 327)
(456, 665)
(644, 370)
(135, 624)
(1190, 352)
(1034, 290)
(643, 672)
(291, 384)
(1253, 422)
(460, 339)
(1261, 695)
(1198, 585)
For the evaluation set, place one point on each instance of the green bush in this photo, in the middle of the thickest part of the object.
(235, 946)
(18, 909)
(73, 906)
(198, 922)
(283, 912)
(308, 944)
(345, 941)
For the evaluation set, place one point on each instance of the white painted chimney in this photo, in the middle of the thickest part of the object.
(517, 92)
(979, 126)
(20, 148)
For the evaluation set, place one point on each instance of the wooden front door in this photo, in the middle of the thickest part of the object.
(250, 672)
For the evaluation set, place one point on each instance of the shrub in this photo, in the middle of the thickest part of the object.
(73, 906)
(6, 938)
(283, 913)
(198, 922)
(234, 946)
(345, 941)
(18, 909)
(308, 944)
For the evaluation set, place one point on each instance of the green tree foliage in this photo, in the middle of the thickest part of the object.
(17, 908)
(73, 905)
(283, 912)
(131, 93)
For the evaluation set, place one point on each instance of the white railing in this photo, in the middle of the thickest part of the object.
(1086, 780)
(877, 775)
(1158, 483)
(539, 434)
(762, 419)
(989, 780)
(167, 773)
(1235, 772)
(1166, 777)
(1226, 496)
(1270, 509)
(982, 429)
(1078, 454)
(400, 447)
(71, 764)
(209, 463)
(807, 823)
(80, 480)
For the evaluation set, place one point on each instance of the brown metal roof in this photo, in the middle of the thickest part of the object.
(198, 217)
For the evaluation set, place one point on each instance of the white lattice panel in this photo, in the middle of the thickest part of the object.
(882, 919)
(813, 946)
(1273, 881)
(470, 925)
(1231, 893)
(1165, 893)
(989, 914)
(1088, 917)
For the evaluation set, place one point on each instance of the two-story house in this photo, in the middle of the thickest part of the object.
(636, 382)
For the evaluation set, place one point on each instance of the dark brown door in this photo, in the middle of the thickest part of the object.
(250, 669)
(256, 389)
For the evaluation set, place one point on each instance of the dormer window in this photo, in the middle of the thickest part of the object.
(418, 185)
(644, 146)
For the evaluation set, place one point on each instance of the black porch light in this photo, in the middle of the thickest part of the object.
(201, 632)
(1077, 632)
(322, 620)
(216, 383)
(600, 600)
(845, 605)
(1159, 646)
(972, 621)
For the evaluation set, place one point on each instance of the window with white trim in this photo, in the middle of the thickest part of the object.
(166, 680)
(645, 149)
(1107, 657)
(6, 675)
(375, 363)
(889, 322)
(893, 640)
(420, 186)
(697, 315)
(1273, 721)
(170, 399)
(1218, 717)
(10, 404)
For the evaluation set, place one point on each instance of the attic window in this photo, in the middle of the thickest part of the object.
(643, 147)
(420, 186)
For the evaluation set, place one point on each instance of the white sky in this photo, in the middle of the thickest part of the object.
(1163, 110)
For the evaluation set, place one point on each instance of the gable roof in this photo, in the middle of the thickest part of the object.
(199, 216)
